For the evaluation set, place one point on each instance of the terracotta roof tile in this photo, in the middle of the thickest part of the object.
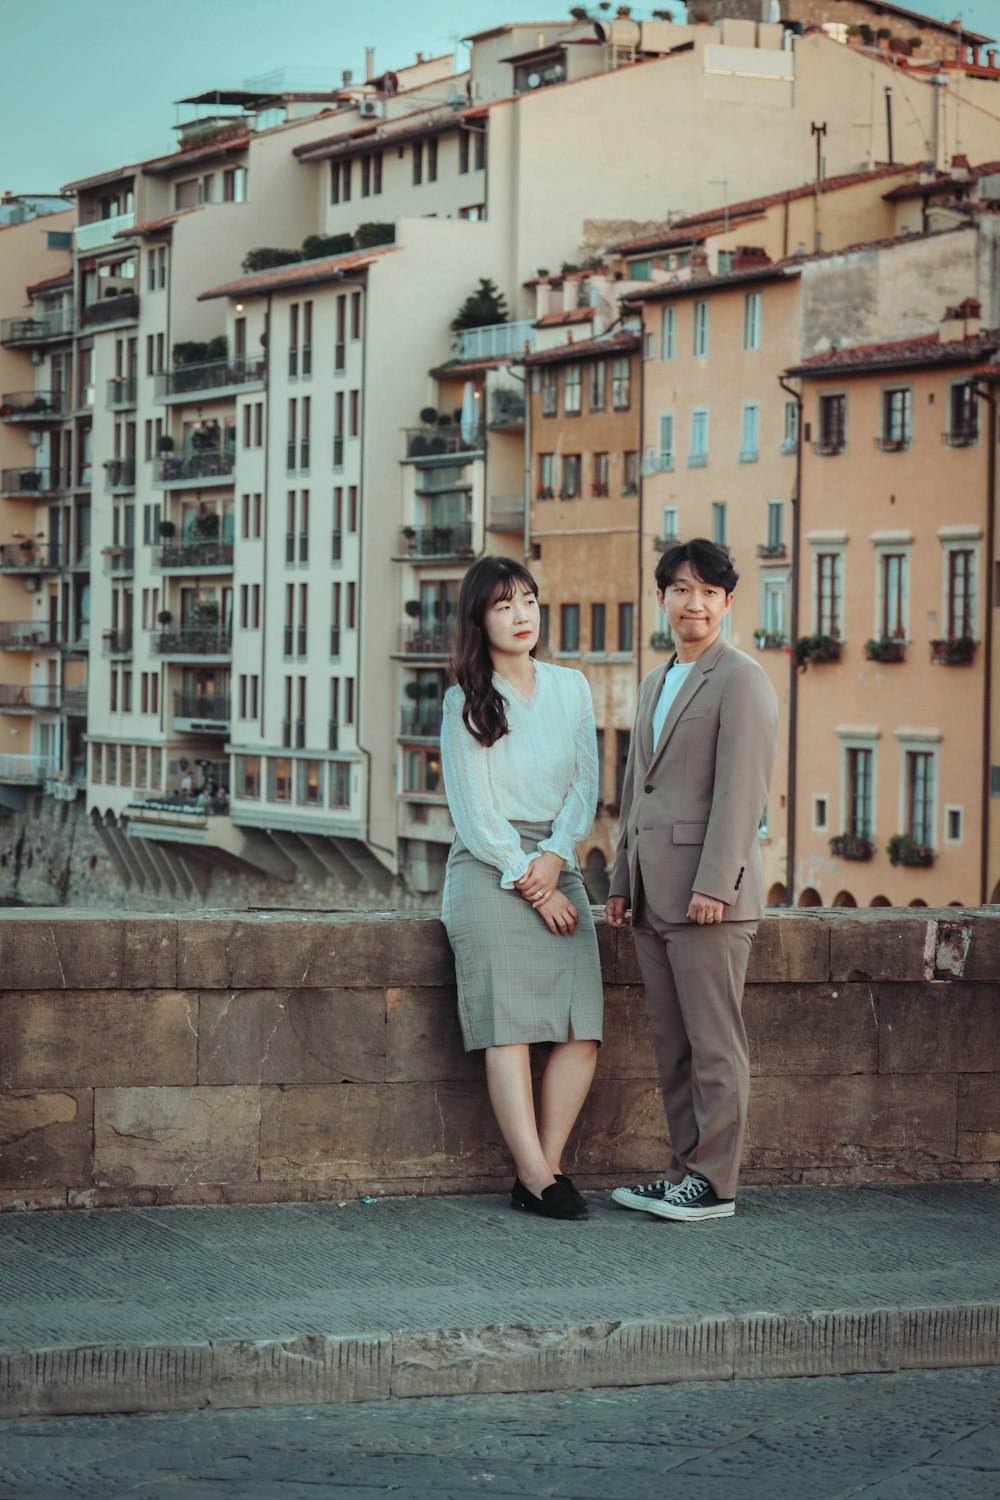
(152, 225)
(941, 182)
(623, 342)
(926, 350)
(565, 318)
(299, 273)
(457, 367)
(50, 284)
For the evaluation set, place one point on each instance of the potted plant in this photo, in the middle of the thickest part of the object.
(660, 641)
(165, 617)
(815, 648)
(953, 652)
(768, 640)
(885, 649)
(902, 849)
(851, 846)
(167, 529)
(429, 416)
(164, 443)
(412, 608)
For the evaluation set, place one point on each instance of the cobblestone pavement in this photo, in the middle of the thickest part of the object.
(923, 1436)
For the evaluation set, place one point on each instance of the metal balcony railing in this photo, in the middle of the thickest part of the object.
(211, 464)
(193, 640)
(119, 474)
(27, 769)
(26, 635)
(177, 556)
(119, 559)
(494, 340)
(421, 723)
(28, 697)
(15, 557)
(122, 390)
(421, 640)
(293, 734)
(439, 442)
(74, 700)
(102, 231)
(216, 374)
(119, 309)
(198, 706)
(117, 643)
(436, 541)
(36, 330)
(34, 481)
(32, 406)
(507, 409)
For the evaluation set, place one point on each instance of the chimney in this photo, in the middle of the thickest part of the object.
(961, 322)
(960, 165)
(347, 78)
(369, 64)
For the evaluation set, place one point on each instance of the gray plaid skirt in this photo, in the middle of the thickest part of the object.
(517, 981)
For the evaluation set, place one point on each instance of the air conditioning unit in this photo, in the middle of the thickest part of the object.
(30, 584)
(370, 109)
(36, 356)
(34, 439)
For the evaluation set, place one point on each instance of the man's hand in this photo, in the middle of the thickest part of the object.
(614, 911)
(558, 913)
(704, 909)
(541, 878)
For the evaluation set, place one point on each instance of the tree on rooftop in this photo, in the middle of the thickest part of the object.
(482, 307)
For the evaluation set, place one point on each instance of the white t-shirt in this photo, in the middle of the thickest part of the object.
(672, 684)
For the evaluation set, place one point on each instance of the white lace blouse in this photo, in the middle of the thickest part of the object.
(544, 770)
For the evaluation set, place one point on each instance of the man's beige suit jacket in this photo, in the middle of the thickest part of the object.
(691, 805)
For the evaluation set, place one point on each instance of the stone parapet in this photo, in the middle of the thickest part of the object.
(248, 1057)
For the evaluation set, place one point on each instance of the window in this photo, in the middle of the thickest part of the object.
(953, 820)
(376, 172)
(598, 385)
(750, 441)
(897, 418)
(432, 159)
(790, 427)
(700, 342)
(480, 151)
(598, 619)
(719, 522)
(630, 471)
(626, 619)
(543, 625)
(569, 628)
(665, 459)
(463, 151)
(248, 777)
(309, 792)
(668, 333)
(550, 391)
(422, 769)
(820, 813)
(668, 532)
(832, 424)
(234, 185)
(338, 430)
(919, 791)
(751, 320)
(570, 488)
(340, 784)
(601, 474)
(828, 592)
(621, 398)
(893, 590)
(279, 779)
(698, 452)
(622, 741)
(546, 476)
(418, 163)
(960, 590)
(859, 816)
(772, 607)
(963, 415)
(572, 390)
(775, 542)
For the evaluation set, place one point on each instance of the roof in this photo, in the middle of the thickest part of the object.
(299, 273)
(222, 146)
(454, 368)
(101, 179)
(371, 135)
(622, 342)
(50, 284)
(942, 182)
(926, 350)
(772, 271)
(566, 317)
(155, 226)
(922, 19)
(240, 97)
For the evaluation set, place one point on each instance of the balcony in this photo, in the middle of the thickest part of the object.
(26, 635)
(27, 770)
(900, 444)
(28, 698)
(102, 231)
(74, 701)
(293, 734)
(122, 392)
(421, 723)
(198, 557)
(18, 557)
(507, 410)
(419, 640)
(964, 436)
(505, 513)
(32, 407)
(118, 559)
(119, 474)
(829, 447)
(35, 481)
(218, 377)
(494, 340)
(658, 463)
(122, 308)
(433, 444)
(37, 330)
(195, 471)
(194, 712)
(117, 643)
(193, 640)
(772, 550)
(436, 542)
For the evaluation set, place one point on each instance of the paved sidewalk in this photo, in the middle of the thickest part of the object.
(177, 1308)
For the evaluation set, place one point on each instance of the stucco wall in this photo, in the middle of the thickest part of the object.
(248, 1058)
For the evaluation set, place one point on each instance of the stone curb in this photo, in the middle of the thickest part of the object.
(321, 1369)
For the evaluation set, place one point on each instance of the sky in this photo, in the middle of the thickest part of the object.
(91, 84)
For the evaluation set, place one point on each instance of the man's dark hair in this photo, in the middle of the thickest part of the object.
(709, 562)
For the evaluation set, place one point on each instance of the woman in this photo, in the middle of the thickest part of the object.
(519, 755)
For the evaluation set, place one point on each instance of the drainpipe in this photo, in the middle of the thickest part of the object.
(269, 414)
(639, 500)
(793, 676)
(989, 603)
(527, 466)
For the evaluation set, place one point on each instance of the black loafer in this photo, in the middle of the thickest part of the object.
(573, 1191)
(556, 1201)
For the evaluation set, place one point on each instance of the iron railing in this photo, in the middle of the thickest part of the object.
(211, 464)
(32, 406)
(216, 374)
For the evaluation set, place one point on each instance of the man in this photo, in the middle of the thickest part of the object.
(689, 863)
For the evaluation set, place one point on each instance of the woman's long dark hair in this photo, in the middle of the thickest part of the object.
(491, 578)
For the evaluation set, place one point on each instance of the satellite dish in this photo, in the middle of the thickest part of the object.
(534, 79)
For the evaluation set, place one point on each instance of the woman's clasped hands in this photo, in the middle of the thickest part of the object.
(540, 885)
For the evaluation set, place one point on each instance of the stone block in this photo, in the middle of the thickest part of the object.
(938, 1028)
(627, 1051)
(308, 1371)
(621, 1132)
(982, 964)
(606, 945)
(790, 947)
(71, 950)
(423, 1037)
(847, 1122)
(291, 1036)
(46, 1137)
(108, 1037)
(979, 1117)
(86, 1038)
(367, 1131)
(820, 1028)
(626, 963)
(176, 1135)
(871, 946)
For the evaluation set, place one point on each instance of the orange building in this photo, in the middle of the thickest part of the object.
(895, 603)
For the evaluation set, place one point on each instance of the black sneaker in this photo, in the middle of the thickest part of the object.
(692, 1200)
(643, 1197)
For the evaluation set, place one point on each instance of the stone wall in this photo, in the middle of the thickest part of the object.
(246, 1058)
